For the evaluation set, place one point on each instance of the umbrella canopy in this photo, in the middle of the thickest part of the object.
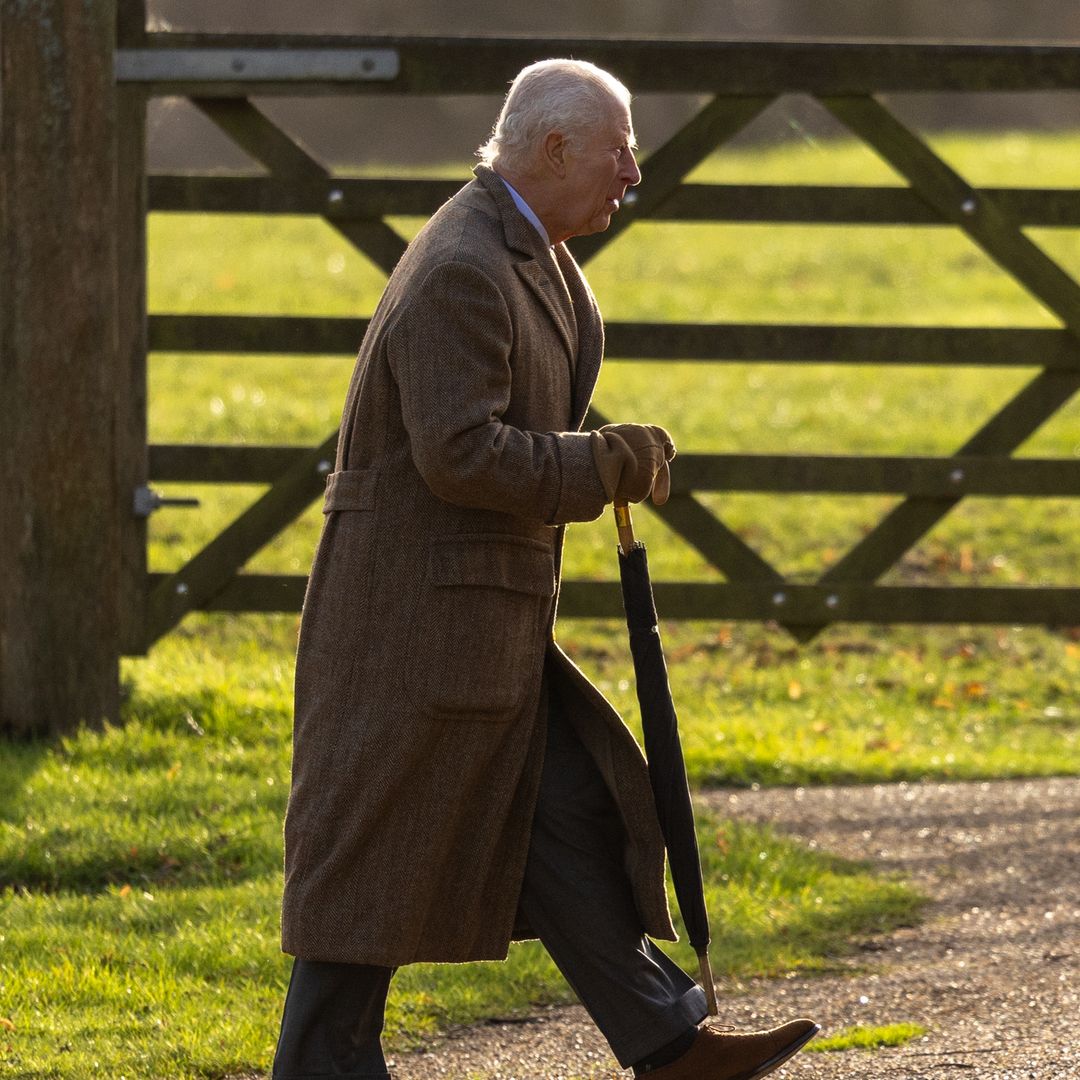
(660, 727)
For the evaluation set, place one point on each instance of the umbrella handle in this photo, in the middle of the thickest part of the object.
(707, 981)
(624, 523)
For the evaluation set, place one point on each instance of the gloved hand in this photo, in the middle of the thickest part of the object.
(632, 460)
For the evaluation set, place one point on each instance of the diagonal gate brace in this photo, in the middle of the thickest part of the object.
(204, 576)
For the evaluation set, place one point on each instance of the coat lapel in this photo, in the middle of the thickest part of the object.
(546, 288)
(564, 300)
(590, 333)
(538, 272)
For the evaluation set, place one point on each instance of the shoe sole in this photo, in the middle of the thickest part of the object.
(777, 1060)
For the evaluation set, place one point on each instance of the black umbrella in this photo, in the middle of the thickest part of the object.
(660, 726)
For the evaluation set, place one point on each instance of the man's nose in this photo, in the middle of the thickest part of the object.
(631, 174)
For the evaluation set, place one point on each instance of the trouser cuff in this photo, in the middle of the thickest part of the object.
(634, 1044)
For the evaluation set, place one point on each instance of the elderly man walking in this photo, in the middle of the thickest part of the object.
(457, 782)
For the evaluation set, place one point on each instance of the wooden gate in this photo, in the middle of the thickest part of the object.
(220, 75)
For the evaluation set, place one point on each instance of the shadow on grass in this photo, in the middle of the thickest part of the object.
(19, 761)
(777, 905)
(190, 789)
(39, 870)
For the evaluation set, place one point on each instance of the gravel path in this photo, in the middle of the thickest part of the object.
(992, 971)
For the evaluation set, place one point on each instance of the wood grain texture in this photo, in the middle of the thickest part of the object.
(61, 506)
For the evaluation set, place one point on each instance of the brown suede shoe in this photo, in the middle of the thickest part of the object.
(733, 1055)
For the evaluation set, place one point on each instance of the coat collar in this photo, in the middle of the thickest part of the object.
(521, 234)
(539, 271)
(542, 276)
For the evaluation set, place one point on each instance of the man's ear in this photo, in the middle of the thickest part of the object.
(554, 152)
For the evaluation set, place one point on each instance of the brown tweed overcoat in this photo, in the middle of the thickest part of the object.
(426, 646)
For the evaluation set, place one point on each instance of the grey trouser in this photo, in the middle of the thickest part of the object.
(577, 898)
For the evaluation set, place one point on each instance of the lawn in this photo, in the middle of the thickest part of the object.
(139, 865)
(140, 869)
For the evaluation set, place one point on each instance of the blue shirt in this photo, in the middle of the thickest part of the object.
(527, 211)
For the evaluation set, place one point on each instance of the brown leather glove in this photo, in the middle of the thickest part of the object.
(632, 460)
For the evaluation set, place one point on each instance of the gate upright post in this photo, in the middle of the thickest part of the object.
(132, 453)
(60, 502)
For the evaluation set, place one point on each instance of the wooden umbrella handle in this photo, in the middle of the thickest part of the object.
(625, 526)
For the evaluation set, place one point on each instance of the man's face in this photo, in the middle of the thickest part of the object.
(599, 169)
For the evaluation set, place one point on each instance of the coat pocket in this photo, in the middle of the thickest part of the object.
(477, 638)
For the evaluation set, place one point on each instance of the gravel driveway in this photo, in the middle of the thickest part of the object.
(992, 971)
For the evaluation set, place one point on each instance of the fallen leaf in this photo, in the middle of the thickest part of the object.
(884, 744)
(967, 558)
(6, 1024)
(125, 890)
(794, 690)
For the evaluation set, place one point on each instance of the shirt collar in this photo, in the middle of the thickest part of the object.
(527, 211)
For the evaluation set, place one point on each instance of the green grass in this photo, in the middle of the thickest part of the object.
(139, 865)
(868, 1038)
(140, 875)
(860, 706)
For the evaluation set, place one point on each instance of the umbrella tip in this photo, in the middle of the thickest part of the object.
(707, 982)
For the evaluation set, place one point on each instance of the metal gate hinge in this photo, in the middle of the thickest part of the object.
(147, 500)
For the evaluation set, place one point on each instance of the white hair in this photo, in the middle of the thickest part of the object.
(571, 97)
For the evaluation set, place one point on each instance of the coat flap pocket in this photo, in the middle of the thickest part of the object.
(350, 489)
(500, 562)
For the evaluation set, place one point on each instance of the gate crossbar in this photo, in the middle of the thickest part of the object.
(742, 79)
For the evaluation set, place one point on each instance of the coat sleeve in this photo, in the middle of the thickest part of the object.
(450, 352)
